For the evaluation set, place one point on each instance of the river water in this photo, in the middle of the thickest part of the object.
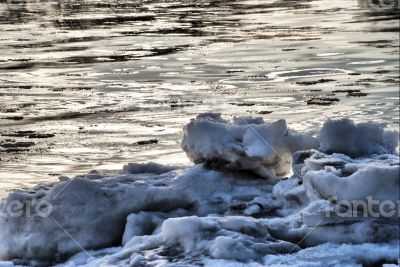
(90, 85)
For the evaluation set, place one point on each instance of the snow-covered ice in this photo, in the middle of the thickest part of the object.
(367, 138)
(258, 194)
(246, 144)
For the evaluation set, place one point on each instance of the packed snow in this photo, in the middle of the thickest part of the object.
(258, 194)
(245, 144)
(343, 136)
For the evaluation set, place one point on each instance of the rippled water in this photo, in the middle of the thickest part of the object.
(83, 83)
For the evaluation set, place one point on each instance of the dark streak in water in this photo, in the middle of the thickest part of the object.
(29, 134)
(76, 115)
(85, 23)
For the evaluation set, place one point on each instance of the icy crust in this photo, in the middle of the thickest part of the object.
(246, 143)
(94, 210)
(336, 255)
(330, 179)
(267, 148)
(344, 136)
(233, 237)
(151, 167)
(338, 176)
(190, 238)
(332, 255)
(173, 216)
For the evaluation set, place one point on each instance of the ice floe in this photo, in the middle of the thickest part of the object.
(258, 194)
(246, 144)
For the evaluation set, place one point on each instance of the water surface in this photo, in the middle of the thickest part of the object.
(95, 84)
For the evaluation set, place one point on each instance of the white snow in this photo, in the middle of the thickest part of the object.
(347, 179)
(244, 144)
(343, 136)
(151, 167)
(338, 255)
(221, 211)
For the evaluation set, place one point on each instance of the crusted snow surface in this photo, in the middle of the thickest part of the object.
(246, 143)
(366, 138)
(230, 209)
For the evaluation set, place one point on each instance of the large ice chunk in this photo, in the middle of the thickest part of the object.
(245, 144)
(344, 136)
(93, 210)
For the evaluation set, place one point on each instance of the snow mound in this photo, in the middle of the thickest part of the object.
(267, 149)
(150, 167)
(95, 211)
(338, 255)
(343, 136)
(346, 200)
(349, 179)
(234, 237)
(151, 214)
(244, 144)
(237, 238)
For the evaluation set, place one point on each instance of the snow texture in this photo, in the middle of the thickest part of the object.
(221, 211)
(246, 144)
(343, 136)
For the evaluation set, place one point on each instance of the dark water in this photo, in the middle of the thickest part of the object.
(95, 84)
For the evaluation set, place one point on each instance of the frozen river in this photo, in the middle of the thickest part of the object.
(95, 84)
